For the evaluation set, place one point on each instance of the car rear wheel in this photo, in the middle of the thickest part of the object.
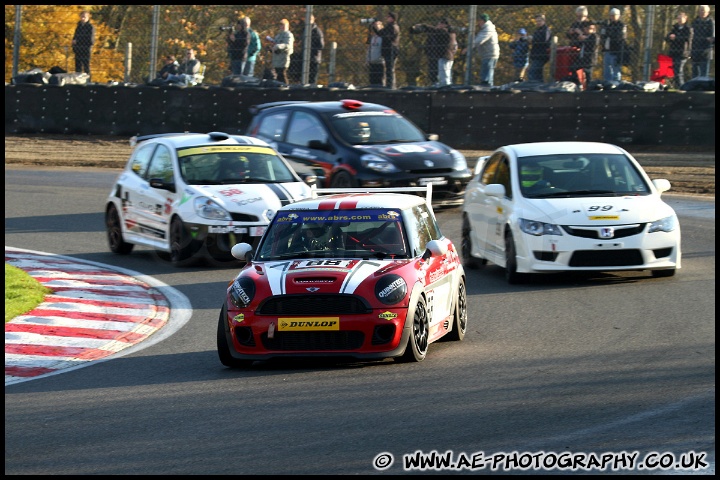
(460, 316)
(511, 274)
(223, 343)
(466, 247)
(342, 179)
(663, 273)
(113, 225)
(417, 346)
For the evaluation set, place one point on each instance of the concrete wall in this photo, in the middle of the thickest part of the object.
(465, 119)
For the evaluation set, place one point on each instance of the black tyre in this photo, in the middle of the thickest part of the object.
(181, 245)
(113, 224)
(460, 316)
(511, 274)
(466, 247)
(663, 273)
(223, 343)
(342, 180)
(417, 346)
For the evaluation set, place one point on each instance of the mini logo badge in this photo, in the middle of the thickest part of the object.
(312, 289)
(607, 232)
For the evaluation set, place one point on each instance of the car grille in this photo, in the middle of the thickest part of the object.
(608, 258)
(243, 217)
(620, 231)
(432, 171)
(313, 341)
(338, 304)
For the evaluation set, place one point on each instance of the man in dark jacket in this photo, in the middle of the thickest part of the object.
(539, 49)
(440, 47)
(612, 39)
(703, 42)
(390, 34)
(679, 40)
(317, 43)
(82, 43)
(238, 41)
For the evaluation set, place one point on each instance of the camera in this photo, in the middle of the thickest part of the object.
(366, 21)
(226, 29)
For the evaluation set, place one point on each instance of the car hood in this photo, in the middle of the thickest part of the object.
(254, 198)
(413, 155)
(329, 276)
(591, 210)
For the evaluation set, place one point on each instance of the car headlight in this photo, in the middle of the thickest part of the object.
(208, 208)
(378, 163)
(667, 224)
(459, 162)
(242, 292)
(391, 289)
(533, 227)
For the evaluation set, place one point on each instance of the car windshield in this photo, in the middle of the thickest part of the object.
(577, 175)
(221, 164)
(366, 128)
(365, 234)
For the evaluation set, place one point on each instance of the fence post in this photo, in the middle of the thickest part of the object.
(16, 40)
(333, 60)
(553, 57)
(128, 63)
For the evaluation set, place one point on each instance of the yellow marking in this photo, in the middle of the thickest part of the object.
(225, 149)
(605, 217)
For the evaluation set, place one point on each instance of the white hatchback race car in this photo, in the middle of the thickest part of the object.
(191, 196)
(567, 206)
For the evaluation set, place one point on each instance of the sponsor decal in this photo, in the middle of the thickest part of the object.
(226, 229)
(291, 324)
(239, 317)
(390, 289)
(388, 315)
(224, 148)
(246, 201)
(604, 217)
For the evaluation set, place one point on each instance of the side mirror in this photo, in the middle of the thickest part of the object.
(661, 184)
(434, 248)
(162, 185)
(495, 190)
(320, 145)
(433, 137)
(242, 251)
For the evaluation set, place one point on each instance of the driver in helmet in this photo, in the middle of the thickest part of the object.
(531, 176)
(362, 132)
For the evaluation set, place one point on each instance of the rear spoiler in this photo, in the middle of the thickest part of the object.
(427, 189)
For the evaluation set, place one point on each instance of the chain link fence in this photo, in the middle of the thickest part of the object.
(132, 40)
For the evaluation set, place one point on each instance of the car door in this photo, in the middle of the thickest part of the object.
(305, 145)
(479, 206)
(130, 188)
(498, 210)
(155, 206)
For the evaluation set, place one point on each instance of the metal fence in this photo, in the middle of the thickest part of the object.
(131, 40)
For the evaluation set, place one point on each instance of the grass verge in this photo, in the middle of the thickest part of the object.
(22, 292)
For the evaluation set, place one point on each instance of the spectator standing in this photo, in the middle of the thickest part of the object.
(587, 55)
(187, 70)
(486, 45)
(612, 37)
(440, 48)
(375, 60)
(253, 49)
(521, 50)
(317, 44)
(238, 42)
(82, 43)
(539, 49)
(281, 47)
(390, 34)
(703, 42)
(679, 40)
(574, 32)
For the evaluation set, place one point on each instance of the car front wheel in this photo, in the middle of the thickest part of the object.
(113, 225)
(420, 330)
(511, 274)
(466, 247)
(460, 316)
(181, 245)
(223, 347)
(342, 180)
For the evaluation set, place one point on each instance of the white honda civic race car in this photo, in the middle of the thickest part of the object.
(567, 206)
(190, 196)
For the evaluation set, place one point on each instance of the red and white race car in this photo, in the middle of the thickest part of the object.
(358, 274)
